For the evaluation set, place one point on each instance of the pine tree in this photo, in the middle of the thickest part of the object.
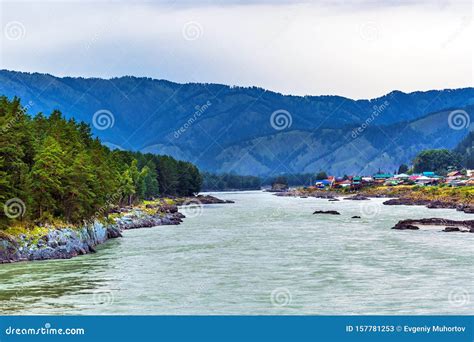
(79, 185)
(47, 175)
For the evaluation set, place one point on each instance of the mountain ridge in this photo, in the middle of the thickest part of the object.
(228, 129)
(93, 78)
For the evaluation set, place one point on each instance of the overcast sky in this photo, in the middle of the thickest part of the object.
(357, 49)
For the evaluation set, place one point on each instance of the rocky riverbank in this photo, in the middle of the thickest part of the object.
(65, 242)
(432, 204)
(461, 199)
(53, 243)
(305, 193)
(201, 199)
(436, 223)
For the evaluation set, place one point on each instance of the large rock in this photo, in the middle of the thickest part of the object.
(137, 219)
(9, 249)
(405, 201)
(327, 212)
(211, 200)
(449, 225)
(405, 226)
(451, 229)
(357, 197)
(432, 204)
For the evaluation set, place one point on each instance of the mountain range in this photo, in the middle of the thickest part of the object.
(252, 131)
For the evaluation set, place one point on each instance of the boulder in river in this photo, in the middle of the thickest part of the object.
(430, 223)
(405, 201)
(405, 226)
(451, 229)
(208, 199)
(357, 197)
(328, 212)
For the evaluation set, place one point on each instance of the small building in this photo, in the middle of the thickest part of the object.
(424, 180)
(402, 176)
(356, 182)
(343, 184)
(367, 180)
(454, 174)
(382, 176)
(322, 183)
(429, 174)
(393, 182)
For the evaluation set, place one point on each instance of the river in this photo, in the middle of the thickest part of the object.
(262, 255)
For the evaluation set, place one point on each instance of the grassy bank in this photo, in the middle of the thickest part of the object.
(34, 231)
(441, 193)
(445, 194)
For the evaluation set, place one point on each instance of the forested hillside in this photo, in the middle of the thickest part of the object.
(225, 129)
(51, 167)
(466, 150)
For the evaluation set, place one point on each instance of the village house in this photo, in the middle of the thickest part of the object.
(426, 178)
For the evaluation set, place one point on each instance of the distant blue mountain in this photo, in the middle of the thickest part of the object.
(251, 130)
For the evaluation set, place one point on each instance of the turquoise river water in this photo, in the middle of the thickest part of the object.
(262, 255)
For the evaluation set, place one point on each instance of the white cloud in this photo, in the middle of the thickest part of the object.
(359, 50)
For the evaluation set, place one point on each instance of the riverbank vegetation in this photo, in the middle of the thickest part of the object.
(442, 193)
(439, 161)
(228, 181)
(51, 169)
(450, 197)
